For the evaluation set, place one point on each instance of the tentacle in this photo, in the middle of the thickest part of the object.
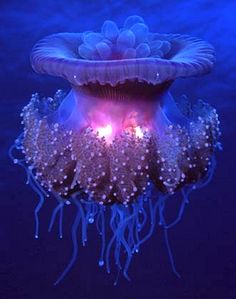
(54, 214)
(181, 210)
(74, 231)
(163, 222)
(152, 211)
(101, 231)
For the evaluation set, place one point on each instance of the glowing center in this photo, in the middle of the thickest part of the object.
(138, 132)
(108, 133)
(105, 132)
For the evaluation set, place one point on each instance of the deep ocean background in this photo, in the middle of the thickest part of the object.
(204, 243)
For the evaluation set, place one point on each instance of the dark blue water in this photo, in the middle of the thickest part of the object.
(204, 243)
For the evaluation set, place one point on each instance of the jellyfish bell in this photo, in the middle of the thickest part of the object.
(114, 94)
(139, 78)
(118, 138)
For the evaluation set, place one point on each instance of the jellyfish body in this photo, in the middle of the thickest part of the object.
(118, 141)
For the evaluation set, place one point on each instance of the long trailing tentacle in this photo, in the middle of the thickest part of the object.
(100, 224)
(181, 211)
(152, 211)
(74, 237)
(58, 209)
(118, 234)
(163, 223)
(30, 180)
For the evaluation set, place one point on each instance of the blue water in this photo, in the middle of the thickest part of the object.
(204, 243)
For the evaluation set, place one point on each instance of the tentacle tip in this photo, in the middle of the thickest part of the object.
(126, 276)
(135, 250)
(91, 220)
(101, 263)
(56, 283)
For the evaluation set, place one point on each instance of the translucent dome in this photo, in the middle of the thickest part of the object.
(116, 55)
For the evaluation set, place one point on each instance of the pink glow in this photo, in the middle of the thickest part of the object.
(110, 118)
(107, 132)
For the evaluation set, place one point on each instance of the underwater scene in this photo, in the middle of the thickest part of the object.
(117, 151)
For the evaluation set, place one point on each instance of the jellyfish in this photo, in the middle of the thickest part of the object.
(117, 146)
